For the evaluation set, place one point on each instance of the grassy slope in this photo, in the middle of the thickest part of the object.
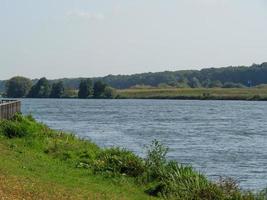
(34, 176)
(39, 163)
(195, 93)
(27, 172)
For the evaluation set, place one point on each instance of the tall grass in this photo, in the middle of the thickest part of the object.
(259, 93)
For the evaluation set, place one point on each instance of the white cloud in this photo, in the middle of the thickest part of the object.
(86, 15)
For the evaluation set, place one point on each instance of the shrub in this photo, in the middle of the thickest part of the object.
(171, 180)
(19, 126)
(119, 161)
(155, 159)
(182, 182)
(13, 129)
(255, 97)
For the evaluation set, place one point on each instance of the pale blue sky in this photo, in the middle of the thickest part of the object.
(71, 38)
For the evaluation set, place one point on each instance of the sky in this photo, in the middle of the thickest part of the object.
(89, 38)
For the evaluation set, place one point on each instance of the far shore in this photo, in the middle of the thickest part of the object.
(171, 93)
(248, 94)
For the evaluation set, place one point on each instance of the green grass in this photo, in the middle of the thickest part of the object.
(43, 165)
(39, 163)
(257, 93)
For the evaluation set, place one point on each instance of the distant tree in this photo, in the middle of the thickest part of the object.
(182, 82)
(165, 85)
(18, 87)
(57, 90)
(85, 88)
(212, 84)
(195, 83)
(70, 93)
(2, 86)
(109, 93)
(233, 85)
(41, 89)
(99, 89)
(215, 84)
(248, 76)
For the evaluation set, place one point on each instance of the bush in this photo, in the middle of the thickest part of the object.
(119, 161)
(109, 93)
(171, 180)
(182, 182)
(13, 129)
(18, 126)
(155, 159)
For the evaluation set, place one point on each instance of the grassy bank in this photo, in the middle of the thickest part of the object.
(259, 93)
(39, 163)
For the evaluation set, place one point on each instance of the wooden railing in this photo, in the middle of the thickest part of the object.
(8, 108)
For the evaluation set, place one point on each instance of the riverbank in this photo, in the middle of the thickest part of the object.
(246, 94)
(39, 163)
(259, 93)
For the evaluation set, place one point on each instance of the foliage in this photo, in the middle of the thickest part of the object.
(180, 182)
(70, 93)
(226, 77)
(2, 86)
(109, 93)
(18, 87)
(99, 88)
(41, 89)
(119, 161)
(195, 83)
(209, 77)
(232, 85)
(85, 88)
(17, 127)
(57, 90)
(212, 84)
(156, 158)
(13, 129)
(171, 180)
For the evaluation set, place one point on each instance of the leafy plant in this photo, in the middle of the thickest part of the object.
(155, 159)
(119, 161)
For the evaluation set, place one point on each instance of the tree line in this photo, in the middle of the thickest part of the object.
(21, 87)
(226, 77)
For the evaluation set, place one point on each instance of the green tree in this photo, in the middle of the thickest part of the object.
(233, 85)
(85, 88)
(195, 83)
(109, 92)
(57, 90)
(215, 84)
(70, 93)
(99, 89)
(41, 89)
(18, 87)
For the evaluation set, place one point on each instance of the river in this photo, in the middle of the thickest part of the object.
(218, 138)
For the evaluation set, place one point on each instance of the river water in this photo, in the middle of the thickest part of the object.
(218, 138)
